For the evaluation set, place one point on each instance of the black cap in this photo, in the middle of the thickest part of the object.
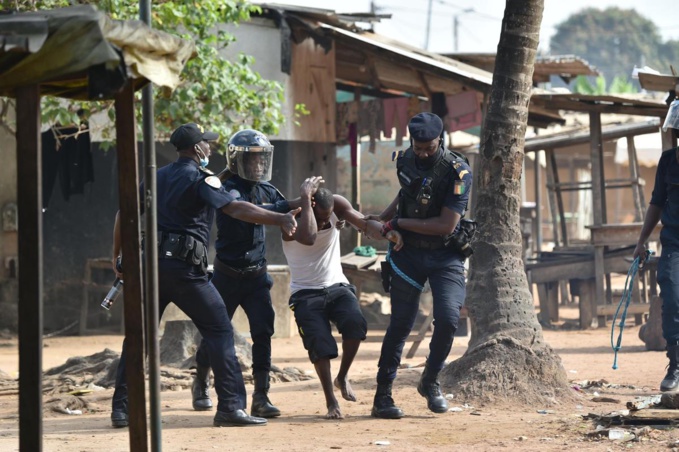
(425, 127)
(188, 135)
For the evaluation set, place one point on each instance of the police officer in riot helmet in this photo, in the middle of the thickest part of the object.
(240, 267)
(249, 155)
(428, 211)
(188, 196)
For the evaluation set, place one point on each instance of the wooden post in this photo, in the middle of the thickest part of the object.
(551, 197)
(355, 145)
(538, 204)
(598, 206)
(637, 190)
(128, 190)
(29, 197)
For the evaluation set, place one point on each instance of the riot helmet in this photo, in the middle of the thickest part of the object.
(250, 155)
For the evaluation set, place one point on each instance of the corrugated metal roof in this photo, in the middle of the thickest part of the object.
(608, 103)
(565, 66)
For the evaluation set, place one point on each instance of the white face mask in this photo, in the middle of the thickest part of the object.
(204, 159)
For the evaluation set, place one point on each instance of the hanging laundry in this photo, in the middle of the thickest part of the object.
(464, 111)
(396, 116)
(370, 120)
(342, 123)
(68, 155)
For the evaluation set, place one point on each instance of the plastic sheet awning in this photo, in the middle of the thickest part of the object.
(81, 53)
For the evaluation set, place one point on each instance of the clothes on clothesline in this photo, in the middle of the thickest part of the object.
(464, 111)
(68, 159)
(459, 112)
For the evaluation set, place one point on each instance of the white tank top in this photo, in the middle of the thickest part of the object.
(317, 266)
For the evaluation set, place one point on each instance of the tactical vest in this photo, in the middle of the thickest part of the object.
(423, 192)
(428, 185)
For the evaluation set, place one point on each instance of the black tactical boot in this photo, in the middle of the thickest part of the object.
(383, 405)
(119, 416)
(200, 390)
(238, 418)
(261, 405)
(430, 388)
(671, 380)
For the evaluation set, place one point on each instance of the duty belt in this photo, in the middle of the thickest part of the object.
(425, 244)
(240, 273)
(182, 247)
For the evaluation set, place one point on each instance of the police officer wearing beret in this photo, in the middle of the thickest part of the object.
(428, 209)
(240, 267)
(188, 196)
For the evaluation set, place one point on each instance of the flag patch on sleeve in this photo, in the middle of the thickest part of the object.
(459, 187)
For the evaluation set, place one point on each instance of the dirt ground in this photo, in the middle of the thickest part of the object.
(586, 355)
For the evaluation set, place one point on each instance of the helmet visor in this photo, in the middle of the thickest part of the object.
(254, 164)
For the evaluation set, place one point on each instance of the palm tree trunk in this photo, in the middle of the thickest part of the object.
(507, 355)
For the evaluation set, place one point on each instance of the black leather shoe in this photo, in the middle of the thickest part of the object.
(435, 400)
(119, 419)
(238, 418)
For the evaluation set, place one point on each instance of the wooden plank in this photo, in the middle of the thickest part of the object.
(658, 82)
(354, 261)
(312, 83)
(637, 190)
(576, 269)
(128, 180)
(29, 199)
(655, 413)
(620, 234)
(634, 308)
(571, 139)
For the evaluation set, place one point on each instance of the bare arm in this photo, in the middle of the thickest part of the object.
(307, 227)
(345, 211)
(315, 182)
(388, 213)
(650, 221)
(245, 211)
(117, 244)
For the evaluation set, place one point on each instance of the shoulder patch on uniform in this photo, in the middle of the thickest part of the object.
(460, 170)
(235, 193)
(213, 181)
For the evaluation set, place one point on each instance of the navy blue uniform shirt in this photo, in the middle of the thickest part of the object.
(666, 196)
(186, 202)
(241, 244)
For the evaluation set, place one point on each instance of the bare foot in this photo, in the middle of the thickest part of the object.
(345, 388)
(334, 413)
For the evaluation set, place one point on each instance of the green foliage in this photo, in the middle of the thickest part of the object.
(219, 93)
(619, 85)
(614, 40)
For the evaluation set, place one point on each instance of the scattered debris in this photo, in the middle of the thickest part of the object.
(606, 400)
(521, 438)
(588, 384)
(545, 411)
(640, 403)
(382, 443)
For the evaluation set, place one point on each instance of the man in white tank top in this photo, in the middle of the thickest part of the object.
(320, 292)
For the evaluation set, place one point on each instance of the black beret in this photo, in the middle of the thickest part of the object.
(425, 127)
(188, 135)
